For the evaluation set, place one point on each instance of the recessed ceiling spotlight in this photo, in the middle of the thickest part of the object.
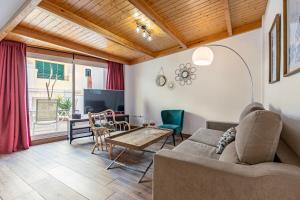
(136, 14)
(138, 29)
(144, 34)
(149, 38)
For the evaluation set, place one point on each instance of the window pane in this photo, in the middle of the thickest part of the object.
(87, 78)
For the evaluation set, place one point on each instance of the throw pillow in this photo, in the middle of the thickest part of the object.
(226, 138)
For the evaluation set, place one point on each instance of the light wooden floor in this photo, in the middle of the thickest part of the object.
(70, 172)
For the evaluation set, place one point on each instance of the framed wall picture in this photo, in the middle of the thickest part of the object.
(275, 50)
(291, 17)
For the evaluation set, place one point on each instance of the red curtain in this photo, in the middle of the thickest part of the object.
(14, 120)
(115, 76)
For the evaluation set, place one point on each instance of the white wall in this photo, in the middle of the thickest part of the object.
(283, 96)
(7, 9)
(219, 92)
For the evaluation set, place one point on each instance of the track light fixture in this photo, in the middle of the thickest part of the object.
(145, 32)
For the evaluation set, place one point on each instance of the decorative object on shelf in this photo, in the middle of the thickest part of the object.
(275, 50)
(185, 74)
(171, 85)
(142, 28)
(291, 18)
(204, 56)
(161, 79)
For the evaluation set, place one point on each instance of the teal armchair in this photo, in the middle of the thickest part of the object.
(173, 119)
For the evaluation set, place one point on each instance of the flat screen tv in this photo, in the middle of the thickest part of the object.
(100, 100)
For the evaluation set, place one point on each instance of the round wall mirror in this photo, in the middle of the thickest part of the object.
(161, 80)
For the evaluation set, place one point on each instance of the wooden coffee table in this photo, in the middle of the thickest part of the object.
(136, 139)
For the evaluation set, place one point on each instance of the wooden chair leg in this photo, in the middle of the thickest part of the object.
(101, 142)
(96, 143)
(95, 146)
(105, 143)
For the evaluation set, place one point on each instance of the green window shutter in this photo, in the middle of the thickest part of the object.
(39, 65)
(47, 70)
(54, 70)
(60, 72)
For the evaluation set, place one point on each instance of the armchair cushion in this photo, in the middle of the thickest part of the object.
(257, 137)
(176, 128)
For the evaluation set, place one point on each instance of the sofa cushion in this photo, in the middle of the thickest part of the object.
(257, 137)
(251, 108)
(207, 136)
(229, 154)
(286, 154)
(197, 149)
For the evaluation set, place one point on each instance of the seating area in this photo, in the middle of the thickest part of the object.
(248, 162)
(149, 99)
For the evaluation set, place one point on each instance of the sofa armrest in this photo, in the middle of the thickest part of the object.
(220, 126)
(180, 176)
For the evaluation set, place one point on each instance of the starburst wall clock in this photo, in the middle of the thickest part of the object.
(185, 74)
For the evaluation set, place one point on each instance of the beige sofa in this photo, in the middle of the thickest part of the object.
(193, 171)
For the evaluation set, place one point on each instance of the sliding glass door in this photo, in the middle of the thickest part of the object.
(50, 90)
(49, 95)
(87, 78)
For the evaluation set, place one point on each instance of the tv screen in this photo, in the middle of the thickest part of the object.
(100, 100)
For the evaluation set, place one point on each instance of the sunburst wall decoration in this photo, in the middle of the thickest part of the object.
(185, 74)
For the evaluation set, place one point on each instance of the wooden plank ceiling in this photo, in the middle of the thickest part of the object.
(106, 28)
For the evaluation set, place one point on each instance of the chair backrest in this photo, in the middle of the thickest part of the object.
(172, 117)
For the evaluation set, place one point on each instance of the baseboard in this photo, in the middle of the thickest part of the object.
(48, 138)
(186, 135)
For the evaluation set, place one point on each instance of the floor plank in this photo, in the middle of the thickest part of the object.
(11, 186)
(59, 170)
(83, 185)
(52, 189)
(30, 196)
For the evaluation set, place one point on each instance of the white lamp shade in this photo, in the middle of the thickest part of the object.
(203, 56)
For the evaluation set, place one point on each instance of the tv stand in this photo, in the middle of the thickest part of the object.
(80, 128)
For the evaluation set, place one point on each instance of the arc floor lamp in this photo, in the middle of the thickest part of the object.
(204, 56)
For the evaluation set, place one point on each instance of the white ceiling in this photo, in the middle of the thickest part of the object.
(7, 9)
